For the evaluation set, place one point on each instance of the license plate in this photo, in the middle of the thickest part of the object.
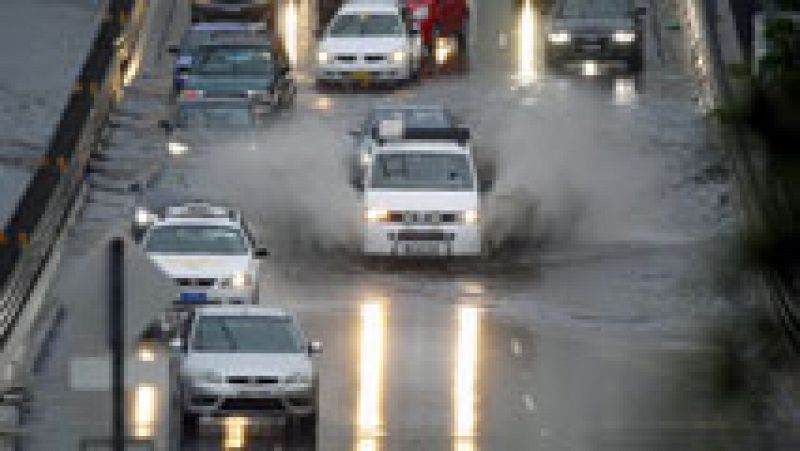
(232, 9)
(360, 76)
(592, 47)
(421, 249)
(193, 297)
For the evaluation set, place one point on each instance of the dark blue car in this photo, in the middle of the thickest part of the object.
(206, 33)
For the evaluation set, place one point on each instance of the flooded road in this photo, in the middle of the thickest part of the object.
(587, 334)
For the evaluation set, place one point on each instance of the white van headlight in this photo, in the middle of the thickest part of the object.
(376, 215)
(323, 57)
(399, 56)
(471, 216)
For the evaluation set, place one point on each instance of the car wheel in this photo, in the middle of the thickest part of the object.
(636, 61)
(303, 425)
(462, 35)
(189, 425)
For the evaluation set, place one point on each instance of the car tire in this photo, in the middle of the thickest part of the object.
(462, 35)
(304, 425)
(190, 425)
(636, 62)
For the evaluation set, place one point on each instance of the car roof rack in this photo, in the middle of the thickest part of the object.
(460, 135)
(200, 210)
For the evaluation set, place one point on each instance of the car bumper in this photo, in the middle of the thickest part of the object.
(256, 12)
(604, 52)
(205, 296)
(405, 241)
(374, 73)
(224, 399)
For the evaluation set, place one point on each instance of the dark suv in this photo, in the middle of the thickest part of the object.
(235, 10)
(607, 32)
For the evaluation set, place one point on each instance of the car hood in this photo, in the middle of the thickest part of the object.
(228, 82)
(422, 200)
(220, 136)
(249, 364)
(197, 266)
(588, 25)
(359, 45)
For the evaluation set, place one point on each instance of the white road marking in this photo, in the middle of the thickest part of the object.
(502, 40)
(516, 347)
(530, 405)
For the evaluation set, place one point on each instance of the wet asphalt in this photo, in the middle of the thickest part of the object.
(582, 330)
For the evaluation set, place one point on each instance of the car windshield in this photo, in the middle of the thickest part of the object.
(234, 60)
(422, 170)
(412, 118)
(349, 25)
(196, 38)
(222, 115)
(256, 334)
(593, 9)
(196, 239)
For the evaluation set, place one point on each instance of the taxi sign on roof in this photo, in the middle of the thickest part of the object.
(391, 129)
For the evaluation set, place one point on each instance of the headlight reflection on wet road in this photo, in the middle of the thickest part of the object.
(465, 378)
(624, 91)
(527, 71)
(235, 433)
(144, 411)
(371, 353)
(290, 30)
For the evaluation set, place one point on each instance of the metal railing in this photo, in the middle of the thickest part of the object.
(27, 240)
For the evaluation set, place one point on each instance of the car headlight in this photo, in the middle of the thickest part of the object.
(559, 37)
(399, 56)
(376, 215)
(471, 216)
(298, 378)
(206, 377)
(238, 280)
(624, 37)
(323, 57)
(421, 13)
(143, 217)
(176, 148)
(366, 159)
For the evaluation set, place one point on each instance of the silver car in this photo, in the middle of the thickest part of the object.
(247, 360)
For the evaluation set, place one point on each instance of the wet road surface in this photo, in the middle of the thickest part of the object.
(587, 339)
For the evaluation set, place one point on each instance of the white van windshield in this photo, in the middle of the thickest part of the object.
(422, 171)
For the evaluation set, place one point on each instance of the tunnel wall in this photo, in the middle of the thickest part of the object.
(30, 240)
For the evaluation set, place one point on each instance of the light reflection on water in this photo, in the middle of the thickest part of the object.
(527, 61)
(465, 378)
(235, 433)
(371, 353)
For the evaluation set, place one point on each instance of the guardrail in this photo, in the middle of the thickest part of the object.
(27, 241)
